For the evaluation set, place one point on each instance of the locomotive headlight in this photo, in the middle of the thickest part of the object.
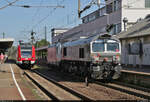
(33, 58)
(117, 57)
(118, 68)
(114, 58)
(94, 57)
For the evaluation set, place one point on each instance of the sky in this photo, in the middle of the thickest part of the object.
(17, 22)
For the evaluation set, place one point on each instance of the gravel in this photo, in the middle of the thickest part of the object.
(94, 91)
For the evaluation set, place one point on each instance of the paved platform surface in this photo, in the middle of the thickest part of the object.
(8, 87)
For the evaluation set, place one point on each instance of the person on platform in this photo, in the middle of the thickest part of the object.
(1, 58)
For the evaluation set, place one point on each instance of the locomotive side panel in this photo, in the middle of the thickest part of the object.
(96, 56)
(77, 53)
(51, 56)
(18, 55)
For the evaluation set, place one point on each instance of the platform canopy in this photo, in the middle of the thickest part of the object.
(5, 43)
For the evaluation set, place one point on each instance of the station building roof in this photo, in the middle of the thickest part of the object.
(5, 43)
(141, 28)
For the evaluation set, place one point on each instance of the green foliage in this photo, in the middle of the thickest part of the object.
(12, 52)
(41, 43)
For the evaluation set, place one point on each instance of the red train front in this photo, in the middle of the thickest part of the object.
(26, 55)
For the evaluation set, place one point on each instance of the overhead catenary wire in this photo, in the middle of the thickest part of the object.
(50, 13)
(9, 4)
(7, 1)
(75, 20)
(44, 18)
(46, 6)
(68, 22)
(38, 9)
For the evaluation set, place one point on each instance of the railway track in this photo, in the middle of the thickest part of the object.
(141, 92)
(72, 94)
(127, 88)
(53, 89)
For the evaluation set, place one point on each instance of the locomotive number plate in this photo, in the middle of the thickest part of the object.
(26, 62)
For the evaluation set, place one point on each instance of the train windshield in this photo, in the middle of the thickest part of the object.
(114, 47)
(26, 54)
(98, 46)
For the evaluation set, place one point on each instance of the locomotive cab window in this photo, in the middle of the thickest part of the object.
(98, 46)
(81, 52)
(112, 46)
(65, 51)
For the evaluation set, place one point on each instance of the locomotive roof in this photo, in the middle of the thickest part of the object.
(82, 41)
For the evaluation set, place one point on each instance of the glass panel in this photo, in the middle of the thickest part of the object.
(115, 5)
(113, 47)
(26, 54)
(109, 8)
(98, 47)
(147, 3)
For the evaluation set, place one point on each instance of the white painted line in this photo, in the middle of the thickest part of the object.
(17, 83)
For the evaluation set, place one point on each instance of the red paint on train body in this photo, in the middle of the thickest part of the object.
(26, 56)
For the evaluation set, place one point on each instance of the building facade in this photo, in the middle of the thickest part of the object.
(57, 31)
(113, 13)
(136, 44)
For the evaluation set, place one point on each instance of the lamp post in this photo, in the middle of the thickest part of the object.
(125, 20)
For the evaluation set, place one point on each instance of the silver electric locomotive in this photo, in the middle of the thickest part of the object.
(97, 56)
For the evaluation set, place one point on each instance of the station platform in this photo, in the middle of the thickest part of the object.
(137, 70)
(136, 75)
(5, 43)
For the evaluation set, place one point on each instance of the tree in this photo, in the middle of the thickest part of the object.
(41, 43)
(12, 52)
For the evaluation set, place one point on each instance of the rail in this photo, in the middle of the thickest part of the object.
(48, 93)
(127, 88)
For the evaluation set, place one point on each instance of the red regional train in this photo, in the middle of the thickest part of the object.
(26, 55)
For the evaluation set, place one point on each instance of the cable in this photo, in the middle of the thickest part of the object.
(43, 18)
(38, 9)
(29, 6)
(7, 1)
(47, 15)
(9, 4)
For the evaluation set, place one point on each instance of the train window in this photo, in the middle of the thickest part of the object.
(147, 3)
(81, 52)
(65, 51)
(113, 47)
(98, 47)
(25, 54)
